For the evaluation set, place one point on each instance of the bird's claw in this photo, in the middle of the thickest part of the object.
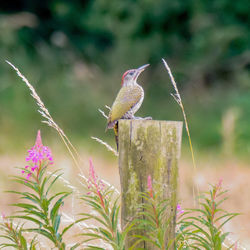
(142, 118)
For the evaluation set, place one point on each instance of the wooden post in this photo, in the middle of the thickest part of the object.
(149, 147)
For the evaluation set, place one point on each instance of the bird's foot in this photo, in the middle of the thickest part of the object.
(142, 118)
(148, 118)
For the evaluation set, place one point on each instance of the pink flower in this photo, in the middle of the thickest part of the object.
(179, 210)
(3, 215)
(236, 245)
(95, 183)
(93, 178)
(219, 183)
(38, 154)
(150, 188)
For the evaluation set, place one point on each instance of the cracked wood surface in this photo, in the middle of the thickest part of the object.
(149, 147)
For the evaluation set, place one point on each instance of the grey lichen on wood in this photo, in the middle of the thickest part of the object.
(149, 147)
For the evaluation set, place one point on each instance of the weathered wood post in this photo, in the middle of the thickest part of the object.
(148, 147)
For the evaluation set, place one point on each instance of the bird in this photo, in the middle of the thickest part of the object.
(128, 100)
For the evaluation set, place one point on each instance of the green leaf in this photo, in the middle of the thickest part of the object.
(54, 180)
(26, 206)
(92, 203)
(40, 215)
(75, 246)
(93, 236)
(42, 172)
(57, 223)
(94, 248)
(6, 236)
(26, 195)
(145, 238)
(56, 207)
(198, 240)
(114, 215)
(42, 232)
(202, 231)
(23, 242)
(106, 234)
(231, 216)
(90, 216)
(43, 185)
(30, 184)
(33, 243)
(72, 224)
(26, 217)
(3, 245)
(56, 195)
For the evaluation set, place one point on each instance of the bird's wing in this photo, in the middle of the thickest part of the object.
(127, 97)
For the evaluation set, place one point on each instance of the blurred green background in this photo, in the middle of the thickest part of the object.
(75, 52)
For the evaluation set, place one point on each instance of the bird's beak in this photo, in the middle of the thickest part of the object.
(140, 69)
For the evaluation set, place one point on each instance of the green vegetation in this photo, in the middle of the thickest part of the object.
(204, 225)
(75, 52)
(39, 213)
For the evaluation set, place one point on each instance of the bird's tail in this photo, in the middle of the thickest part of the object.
(110, 125)
(116, 134)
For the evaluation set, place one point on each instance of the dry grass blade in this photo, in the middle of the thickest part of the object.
(177, 98)
(101, 141)
(49, 120)
(103, 113)
(106, 145)
(105, 182)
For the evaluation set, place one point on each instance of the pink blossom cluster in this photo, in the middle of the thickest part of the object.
(93, 179)
(219, 185)
(179, 210)
(95, 185)
(150, 188)
(38, 154)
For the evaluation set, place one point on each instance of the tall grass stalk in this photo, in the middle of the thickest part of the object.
(49, 120)
(108, 147)
(178, 99)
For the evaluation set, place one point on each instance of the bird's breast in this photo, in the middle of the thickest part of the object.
(137, 105)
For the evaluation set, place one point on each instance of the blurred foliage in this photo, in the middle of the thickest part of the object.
(75, 52)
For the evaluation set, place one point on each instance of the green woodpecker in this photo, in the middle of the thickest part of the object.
(127, 101)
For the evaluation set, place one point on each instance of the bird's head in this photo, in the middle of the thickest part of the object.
(130, 76)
